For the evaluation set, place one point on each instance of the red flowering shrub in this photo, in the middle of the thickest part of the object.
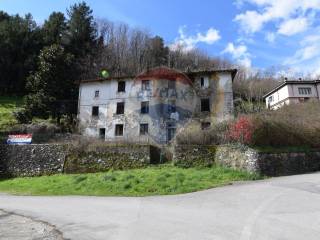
(241, 130)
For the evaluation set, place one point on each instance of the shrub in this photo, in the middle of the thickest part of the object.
(293, 125)
(193, 135)
(23, 116)
(241, 130)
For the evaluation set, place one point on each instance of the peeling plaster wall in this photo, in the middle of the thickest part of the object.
(187, 98)
(220, 94)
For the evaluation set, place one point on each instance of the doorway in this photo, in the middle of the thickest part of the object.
(102, 133)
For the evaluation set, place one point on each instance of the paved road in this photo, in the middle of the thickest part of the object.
(279, 208)
(13, 227)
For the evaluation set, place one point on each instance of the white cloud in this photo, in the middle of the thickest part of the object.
(250, 21)
(285, 11)
(307, 59)
(239, 53)
(293, 26)
(189, 42)
(303, 54)
(270, 37)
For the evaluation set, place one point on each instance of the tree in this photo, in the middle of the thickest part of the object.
(158, 52)
(51, 87)
(81, 30)
(54, 29)
(20, 43)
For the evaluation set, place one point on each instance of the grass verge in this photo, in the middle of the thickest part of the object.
(159, 180)
(7, 106)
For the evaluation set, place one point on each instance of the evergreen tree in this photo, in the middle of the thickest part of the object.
(20, 43)
(54, 29)
(81, 30)
(51, 87)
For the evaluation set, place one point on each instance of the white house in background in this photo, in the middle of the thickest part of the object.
(154, 105)
(292, 92)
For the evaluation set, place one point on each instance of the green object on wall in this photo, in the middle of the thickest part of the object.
(104, 73)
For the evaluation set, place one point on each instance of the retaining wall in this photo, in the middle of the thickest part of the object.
(31, 160)
(244, 158)
(46, 159)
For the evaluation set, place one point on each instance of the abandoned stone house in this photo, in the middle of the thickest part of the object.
(155, 105)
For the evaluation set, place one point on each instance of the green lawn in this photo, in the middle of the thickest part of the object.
(7, 106)
(159, 180)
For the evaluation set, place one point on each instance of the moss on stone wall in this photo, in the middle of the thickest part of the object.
(103, 156)
(193, 156)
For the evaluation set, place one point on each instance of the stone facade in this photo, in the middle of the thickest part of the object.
(31, 160)
(193, 155)
(46, 159)
(248, 159)
(107, 157)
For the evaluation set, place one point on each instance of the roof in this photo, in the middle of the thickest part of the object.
(164, 73)
(233, 72)
(287, 82)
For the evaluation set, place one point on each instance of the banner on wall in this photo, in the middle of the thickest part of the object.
(19, 139)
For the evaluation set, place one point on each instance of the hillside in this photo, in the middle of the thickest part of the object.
(7, 106)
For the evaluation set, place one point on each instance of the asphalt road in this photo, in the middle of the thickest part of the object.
(278, 208)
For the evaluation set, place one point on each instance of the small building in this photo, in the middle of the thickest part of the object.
(154, 105)
(292, 92)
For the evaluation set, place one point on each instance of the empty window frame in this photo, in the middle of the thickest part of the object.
(204, 82)
(144, 128)
(144, 107)
(205, 125)
(121, 86)
(304, 91)
(119, 130)
(205, 105)
(145, 85)
(95, 111)
(96, 93)
(120, 108)
(171, 84)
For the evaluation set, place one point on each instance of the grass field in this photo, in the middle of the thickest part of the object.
(160, 180)
(7, 106)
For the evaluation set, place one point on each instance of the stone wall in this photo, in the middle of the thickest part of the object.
(193, 155)
(31, 160)
(105, 157)
(244, 158)
(269, 164)
(46, 159)
(278, 164)
(237, 157)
